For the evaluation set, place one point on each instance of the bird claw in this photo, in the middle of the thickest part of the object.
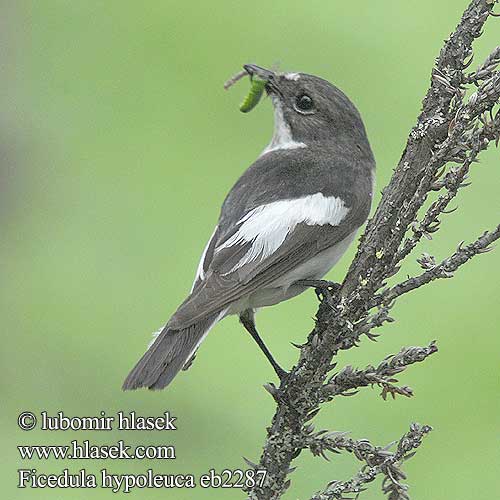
(321, 284)
(282, 374)
(324, 289)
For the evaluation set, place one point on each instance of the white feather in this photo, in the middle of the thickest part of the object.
(292, 76)
(155, 336)
(200, 272)
(216, 320)
(282, 137)
(267, 226)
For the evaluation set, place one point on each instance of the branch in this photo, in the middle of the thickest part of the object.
(450, 130)
(349, 379)
(378, 461)
(440, 128)
(453, 181)
(485, 69)
(445, 269)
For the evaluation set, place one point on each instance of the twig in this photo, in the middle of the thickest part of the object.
(452, 181)
(349, 379)
(485, 70)
(446, 268)
(378, 461)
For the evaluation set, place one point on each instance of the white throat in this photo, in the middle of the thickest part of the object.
(282, 137)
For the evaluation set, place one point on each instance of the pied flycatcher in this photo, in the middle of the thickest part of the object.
(288, 219)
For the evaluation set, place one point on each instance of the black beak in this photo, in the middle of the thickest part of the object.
(262, 73)
(267, 75)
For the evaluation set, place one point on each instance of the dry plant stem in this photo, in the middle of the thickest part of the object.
(349, 379)
(492, 61)
(378, 461)
(446, 268)
(449, 129)
(452, 182)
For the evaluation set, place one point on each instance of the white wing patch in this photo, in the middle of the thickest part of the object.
(200, 272)
(267, 226)
(282, 137)
(292, 76)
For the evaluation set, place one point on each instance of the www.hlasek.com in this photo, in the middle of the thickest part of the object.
(85, 450)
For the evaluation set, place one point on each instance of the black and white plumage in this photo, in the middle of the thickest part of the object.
(289, 217)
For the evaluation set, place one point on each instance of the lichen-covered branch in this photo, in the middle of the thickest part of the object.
(484, 71)
(349, 379)
(429, 146)
(446, 268)
(467, 151)
(453, 128)
(377, 461)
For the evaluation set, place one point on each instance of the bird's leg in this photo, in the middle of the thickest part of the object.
(247, 320)
(323, 289)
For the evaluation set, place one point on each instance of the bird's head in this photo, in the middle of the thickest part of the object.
(309, 109)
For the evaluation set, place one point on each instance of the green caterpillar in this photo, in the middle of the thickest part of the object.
(254, 95)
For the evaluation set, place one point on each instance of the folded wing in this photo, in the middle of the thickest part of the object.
(264, 244)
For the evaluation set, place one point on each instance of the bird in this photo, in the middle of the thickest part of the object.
(284, 224)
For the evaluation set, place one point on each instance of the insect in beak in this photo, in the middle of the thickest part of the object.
(261, 79)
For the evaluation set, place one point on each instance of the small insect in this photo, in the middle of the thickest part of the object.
(255, 93)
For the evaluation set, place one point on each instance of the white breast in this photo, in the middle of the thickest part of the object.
(283, 288)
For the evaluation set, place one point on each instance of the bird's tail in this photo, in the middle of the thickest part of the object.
(168, 354)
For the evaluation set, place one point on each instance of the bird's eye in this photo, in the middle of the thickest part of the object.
(304, 103)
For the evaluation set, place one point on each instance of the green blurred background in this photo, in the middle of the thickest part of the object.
(118, 145)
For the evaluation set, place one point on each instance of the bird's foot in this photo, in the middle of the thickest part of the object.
(282, 374)
(321, 284)
(325, 290)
